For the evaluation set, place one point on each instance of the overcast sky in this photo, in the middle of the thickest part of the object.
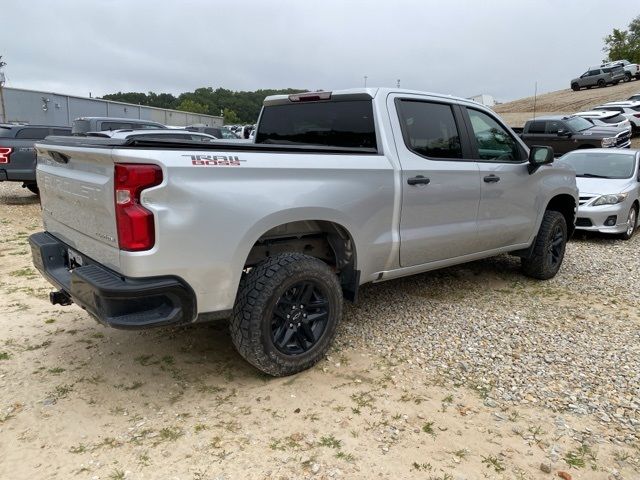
(461, 47)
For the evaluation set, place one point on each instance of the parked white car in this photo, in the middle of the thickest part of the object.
(630, 109)
(634, 98)
(609, 184)
(606, 118)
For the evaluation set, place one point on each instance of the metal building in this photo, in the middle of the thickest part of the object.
(48, 108)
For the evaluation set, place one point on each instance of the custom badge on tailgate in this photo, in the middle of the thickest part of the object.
(215, 160)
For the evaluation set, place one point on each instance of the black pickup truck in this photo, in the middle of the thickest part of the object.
(17, 155)
(566, 133)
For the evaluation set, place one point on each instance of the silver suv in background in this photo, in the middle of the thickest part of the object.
(82, 125)
(598, 77)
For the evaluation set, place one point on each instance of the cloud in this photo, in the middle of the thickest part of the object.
(458, 47)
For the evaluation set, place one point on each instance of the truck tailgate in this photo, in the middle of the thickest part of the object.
(77, 195)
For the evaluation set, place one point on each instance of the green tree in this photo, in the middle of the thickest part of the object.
(188, 105)
(624, 44)
(231, 117)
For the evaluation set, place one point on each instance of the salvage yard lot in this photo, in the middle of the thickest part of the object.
(469, 372)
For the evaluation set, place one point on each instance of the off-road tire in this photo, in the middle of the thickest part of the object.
(627, 235)
(33, 188)
(627, 77)
(259, 291)
(575, 87)
(539, 264)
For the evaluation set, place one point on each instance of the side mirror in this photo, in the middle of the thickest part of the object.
(539, 156)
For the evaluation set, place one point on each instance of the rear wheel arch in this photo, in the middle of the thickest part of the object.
(325, 240)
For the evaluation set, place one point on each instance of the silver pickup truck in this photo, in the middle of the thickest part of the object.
(340, 189)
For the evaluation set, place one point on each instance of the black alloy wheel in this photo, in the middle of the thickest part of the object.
(299, 318)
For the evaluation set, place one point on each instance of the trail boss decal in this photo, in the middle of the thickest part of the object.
(215, 160)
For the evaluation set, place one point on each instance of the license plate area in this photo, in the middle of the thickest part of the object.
(75, 259)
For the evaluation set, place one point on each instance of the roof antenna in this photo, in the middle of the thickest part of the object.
(535, 99)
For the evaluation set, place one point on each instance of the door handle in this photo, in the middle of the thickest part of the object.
(419, 180)
(491, 178)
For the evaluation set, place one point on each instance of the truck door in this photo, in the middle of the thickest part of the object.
(508, 209)
(440, 184)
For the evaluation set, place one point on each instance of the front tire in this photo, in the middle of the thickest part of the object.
(627, 77)
(286, 313)
(575, 87)
(549, 247)
(632, 223)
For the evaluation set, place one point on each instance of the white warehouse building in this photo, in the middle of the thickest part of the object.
(19, 105)
(484, 99)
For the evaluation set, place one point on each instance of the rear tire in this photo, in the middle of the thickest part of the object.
(550, 245)
(632, 223)
(33, 188)
(286, 313)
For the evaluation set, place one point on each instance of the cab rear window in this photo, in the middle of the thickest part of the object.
(346, 124)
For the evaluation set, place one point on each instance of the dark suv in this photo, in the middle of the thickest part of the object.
(599, 77)
(566, 133)
(17, 155)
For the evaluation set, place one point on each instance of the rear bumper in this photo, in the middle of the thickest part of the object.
(114, 300)
(17, 175)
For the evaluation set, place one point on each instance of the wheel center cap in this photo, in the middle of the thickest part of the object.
(295, 316)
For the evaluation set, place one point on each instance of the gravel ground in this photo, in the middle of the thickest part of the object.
(469, 372)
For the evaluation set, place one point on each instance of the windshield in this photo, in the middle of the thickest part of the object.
(601, 165)
(578, 124)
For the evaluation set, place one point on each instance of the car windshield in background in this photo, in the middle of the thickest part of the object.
(332, 124)
(578, 124)
(601, 165)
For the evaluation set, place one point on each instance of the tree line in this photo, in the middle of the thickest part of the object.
(236, 107)
(624, 44)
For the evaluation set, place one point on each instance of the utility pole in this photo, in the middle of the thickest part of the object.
(365, 81)
(535, 99)
(398, 83)
(3, 114)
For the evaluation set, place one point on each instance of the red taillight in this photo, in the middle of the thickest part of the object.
(136, 229)
(5, 152)
(636, 115)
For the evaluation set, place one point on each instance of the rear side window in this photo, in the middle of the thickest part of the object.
(536, 127)
(429, 129)
(554, 125)
(60, 131)
(33, 133)
(332, 124)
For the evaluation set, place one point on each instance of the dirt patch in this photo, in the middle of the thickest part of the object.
(78, 400)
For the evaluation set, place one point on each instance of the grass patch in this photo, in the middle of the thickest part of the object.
(4, 355)
(428, 428)
(330, 441)
(494, 462)
(171, 434)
